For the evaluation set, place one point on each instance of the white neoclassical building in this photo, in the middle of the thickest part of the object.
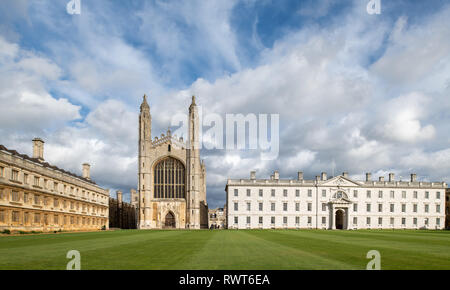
(334, 203)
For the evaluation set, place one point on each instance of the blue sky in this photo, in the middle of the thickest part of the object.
(368, 93)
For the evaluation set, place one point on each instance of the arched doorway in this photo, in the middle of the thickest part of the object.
(339, 219)
(169, 221)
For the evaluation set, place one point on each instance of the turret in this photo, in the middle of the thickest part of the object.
(145, 145)
(144, 105)
(193, 167)
(119, 197)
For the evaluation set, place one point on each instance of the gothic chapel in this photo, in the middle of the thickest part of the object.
(172, 180)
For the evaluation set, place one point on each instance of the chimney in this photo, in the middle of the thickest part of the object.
(252, 175)
(381, 178)
(119, 196)
(300, 175)
(413, 177)
(345, 174)
(324, 176)
(391, 177)
(368, 176)
(317, 177)
(276, 175)
(86, 171)
(38, 149)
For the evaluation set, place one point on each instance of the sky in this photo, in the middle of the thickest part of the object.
(355, 92)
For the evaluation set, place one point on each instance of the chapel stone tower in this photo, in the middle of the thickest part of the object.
(145, 144)
(194, 169)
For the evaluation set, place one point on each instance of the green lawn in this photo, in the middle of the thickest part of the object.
(243, 249)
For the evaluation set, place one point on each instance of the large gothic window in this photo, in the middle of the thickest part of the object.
(169, 179)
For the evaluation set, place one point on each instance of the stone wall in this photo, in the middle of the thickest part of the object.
(122, 215)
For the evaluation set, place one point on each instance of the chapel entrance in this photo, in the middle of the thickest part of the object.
(339, 219)
(169, 220)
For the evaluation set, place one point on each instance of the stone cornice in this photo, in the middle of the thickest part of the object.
(52, 193)
(313, 183)
(25, 163)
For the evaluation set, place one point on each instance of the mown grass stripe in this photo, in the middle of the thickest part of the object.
(396, 254)
(229, 249)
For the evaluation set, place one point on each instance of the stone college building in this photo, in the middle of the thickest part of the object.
(335, 203)
(172, 180)
(37, 196)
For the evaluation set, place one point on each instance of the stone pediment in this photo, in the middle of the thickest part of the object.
(340, 201)
(340, 181)
(340, 197)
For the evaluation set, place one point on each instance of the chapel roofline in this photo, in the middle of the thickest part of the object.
(164, 138)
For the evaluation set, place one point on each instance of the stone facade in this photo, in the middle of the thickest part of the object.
(447, 208)
(335, 203)
(217, 218)
(172, 179)
(36, 196)
(122, 215)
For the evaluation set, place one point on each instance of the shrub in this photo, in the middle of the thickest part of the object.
(6, 232)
